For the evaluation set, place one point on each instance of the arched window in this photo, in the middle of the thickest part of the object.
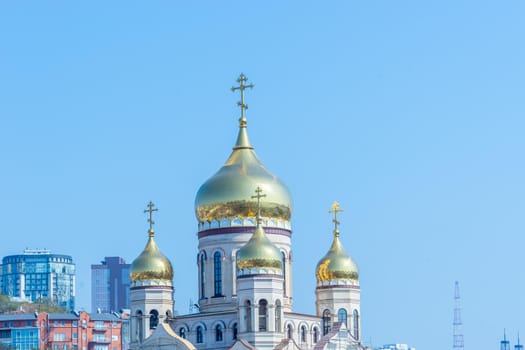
(200, 335)
(316, 335)
(203, 275)
(278, 311)
(326, 322)
(217, 268)
(356, 324)
(248, 316)
(182, 332)
(235, 331)
(289, 331)
(263, 309)
(153, 319)
(303, 334)
(140, 328)
(341, 316)
(218, 332)
(284, 272)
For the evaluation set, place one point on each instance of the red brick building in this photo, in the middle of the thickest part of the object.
(75, 331)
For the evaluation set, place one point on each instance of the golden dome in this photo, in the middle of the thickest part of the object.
(151, 264)
(259, 253)
(336, 264)
(225, 194)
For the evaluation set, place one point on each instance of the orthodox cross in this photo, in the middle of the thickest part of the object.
(151, 210)
(242, 79)
(259, 195)
(335, 209)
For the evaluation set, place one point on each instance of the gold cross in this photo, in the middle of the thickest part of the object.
(259, 196)
(242, 79)
(335, 209)
(151, 210)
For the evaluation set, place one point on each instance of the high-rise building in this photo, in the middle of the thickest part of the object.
(38, 274)
(110, 285)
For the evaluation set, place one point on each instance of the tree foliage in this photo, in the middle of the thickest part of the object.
(41, 305)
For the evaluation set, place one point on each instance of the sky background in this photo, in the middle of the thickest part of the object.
(409, 113)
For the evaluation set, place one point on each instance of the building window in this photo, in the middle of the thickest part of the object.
(199, 335)
(303, 334)
(278, 312)
(284, 272)
(59, 337)
(218, 333)
(341, 316)
(217, 268)
(263, 310)
(326, 322)
(356, 324)
(203, 275)
(139, 331)
(75, 323)
(182, 332)
(99, 338)
(153, 319)
(316, 335)
(289, 331)
(75, 335)
(248, 317)
(235, 330)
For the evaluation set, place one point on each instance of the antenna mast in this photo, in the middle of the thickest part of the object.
(458, 333)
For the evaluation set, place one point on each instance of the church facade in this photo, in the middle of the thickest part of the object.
(244, 267)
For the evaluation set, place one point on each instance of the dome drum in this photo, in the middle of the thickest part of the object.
(269, 222)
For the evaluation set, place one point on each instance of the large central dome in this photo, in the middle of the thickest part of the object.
(227, 194)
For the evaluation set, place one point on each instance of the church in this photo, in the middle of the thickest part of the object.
(244, 267)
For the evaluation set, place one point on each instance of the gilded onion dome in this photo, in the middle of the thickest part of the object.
(259, 253)
(223, 196)
(336, 264)
(151, 264)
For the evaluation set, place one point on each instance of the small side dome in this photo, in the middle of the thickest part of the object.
(151, 264)
(336, 264)
(259, 253)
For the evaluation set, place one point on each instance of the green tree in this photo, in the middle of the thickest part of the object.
(6, 305)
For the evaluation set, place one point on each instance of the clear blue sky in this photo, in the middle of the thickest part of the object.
(409, 113)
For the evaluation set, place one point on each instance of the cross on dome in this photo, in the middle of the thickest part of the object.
(150, 209)
(259, 195)
(335, 209)
(242, 79)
